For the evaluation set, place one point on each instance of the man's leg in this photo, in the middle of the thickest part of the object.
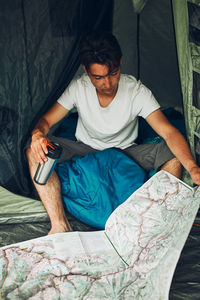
(173, 166)
(155, 156)
(50, 194)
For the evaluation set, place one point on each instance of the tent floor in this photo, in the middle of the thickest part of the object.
(186, 281)
(18, 232)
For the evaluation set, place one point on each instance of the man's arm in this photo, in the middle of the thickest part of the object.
(38, 144)
(176, 142)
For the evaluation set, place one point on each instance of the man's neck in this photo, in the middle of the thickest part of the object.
(105, 100)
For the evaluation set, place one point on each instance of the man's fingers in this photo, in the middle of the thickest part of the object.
(40, 150)
(195, 174)
(41, 155)
(44, 146)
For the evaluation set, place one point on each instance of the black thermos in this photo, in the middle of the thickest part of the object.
(44, 170)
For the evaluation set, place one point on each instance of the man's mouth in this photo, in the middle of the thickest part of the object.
(108, 90)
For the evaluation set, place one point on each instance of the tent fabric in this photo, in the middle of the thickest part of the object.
(149, 47)
(158, 64)
(38, 58)
(185, 283)
(11, 203)
(139, 5)
(93, 186)
(36, 66)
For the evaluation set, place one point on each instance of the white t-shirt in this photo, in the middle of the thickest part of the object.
(115, 125)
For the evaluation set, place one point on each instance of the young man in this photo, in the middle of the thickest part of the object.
(108, 105)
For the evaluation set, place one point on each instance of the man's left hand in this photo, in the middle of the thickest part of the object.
(195, 175)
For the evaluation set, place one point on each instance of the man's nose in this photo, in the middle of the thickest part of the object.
(107, 82)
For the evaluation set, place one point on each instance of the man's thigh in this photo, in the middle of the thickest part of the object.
(150, 156)
(71, 148)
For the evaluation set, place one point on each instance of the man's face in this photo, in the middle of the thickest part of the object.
(105, 83)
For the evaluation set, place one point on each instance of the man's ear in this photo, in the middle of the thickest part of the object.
(84, 68)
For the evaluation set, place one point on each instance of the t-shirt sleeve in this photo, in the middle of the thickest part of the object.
(67, 99)
(146, 102)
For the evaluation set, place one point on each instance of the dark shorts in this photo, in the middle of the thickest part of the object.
(148, 156)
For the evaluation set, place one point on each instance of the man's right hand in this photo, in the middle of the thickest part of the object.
(39, 146)
(39, 140)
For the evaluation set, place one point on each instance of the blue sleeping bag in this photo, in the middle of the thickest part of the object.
(94, 185)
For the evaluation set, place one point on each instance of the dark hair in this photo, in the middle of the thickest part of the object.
(101, 48)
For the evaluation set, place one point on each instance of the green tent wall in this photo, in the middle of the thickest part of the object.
(188, 49)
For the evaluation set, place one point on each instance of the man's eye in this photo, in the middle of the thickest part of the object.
(113, 73)
(97, 77)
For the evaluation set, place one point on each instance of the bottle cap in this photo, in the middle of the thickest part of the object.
(54, 150)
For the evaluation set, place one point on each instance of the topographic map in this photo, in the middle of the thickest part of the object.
(133, 258)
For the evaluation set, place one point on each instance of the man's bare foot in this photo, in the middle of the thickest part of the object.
(60, 228)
